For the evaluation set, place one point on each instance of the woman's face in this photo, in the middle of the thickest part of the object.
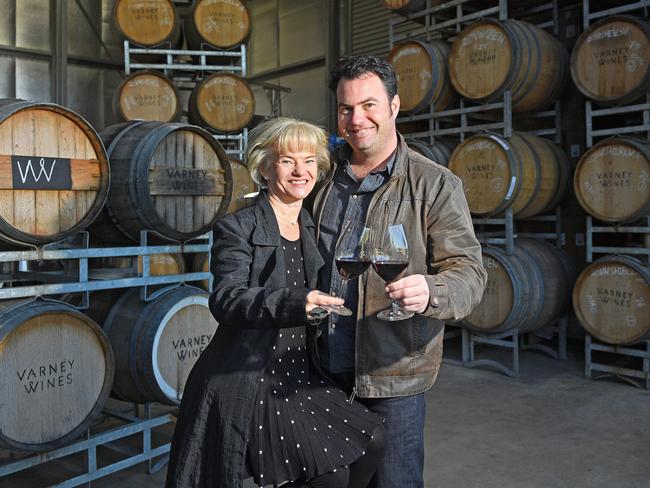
(291, 176)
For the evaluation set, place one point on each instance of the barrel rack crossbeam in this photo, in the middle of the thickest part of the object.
(640, 110)
(84, 280)
(636, 377)
(592, 230)
(112, 439)
(516, 341)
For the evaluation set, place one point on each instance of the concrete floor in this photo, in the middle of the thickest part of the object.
(550, 428)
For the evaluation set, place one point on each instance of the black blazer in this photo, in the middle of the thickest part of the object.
(251, 302)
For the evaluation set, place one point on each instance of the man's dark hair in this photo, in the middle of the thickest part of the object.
(353, 67)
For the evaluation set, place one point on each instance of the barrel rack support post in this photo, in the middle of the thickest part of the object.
(453, 331)
(506, 340)
(534, 340)
(639, 377)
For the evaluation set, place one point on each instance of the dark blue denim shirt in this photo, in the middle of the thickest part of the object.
(348, 200)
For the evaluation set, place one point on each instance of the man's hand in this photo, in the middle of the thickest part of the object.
(412, 293)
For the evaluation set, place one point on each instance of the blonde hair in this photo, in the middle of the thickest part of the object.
(284, 134)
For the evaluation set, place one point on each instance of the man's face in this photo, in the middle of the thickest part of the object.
(366, 116)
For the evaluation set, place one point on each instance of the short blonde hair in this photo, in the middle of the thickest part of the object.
(282, 134)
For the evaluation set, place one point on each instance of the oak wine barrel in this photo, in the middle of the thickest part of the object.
(612, 179)
(171, 178)
(217, 24)
(438, 152)
(611, 299)
(54, 172)
(200, 264)
(242, 184)
(610, 62)
(156, 343)
(223, 102)
(525, 290)
(56, 371)
(147, 23)
(491, 56)
(147, 95)
(524, 172)
(422, 75)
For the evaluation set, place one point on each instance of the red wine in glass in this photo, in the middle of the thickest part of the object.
(389, 270)
(351, 267)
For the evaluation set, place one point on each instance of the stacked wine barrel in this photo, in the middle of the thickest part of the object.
(223, 102)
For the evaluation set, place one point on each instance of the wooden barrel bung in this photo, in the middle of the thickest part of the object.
(147, 22)
(147, 95)
(610, 62)
(242, 184)
(156, 343)
(611, 299)
(54, 172)
(174, 179)
(217, 24)
(222, 101)
(422, 75)
(612, 179)
(525, 290)
(524, 172)
(438, 152)
(491, 56)
(56, 371)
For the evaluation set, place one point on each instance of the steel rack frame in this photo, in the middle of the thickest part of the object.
(639, 378)
(134, 424)
(516, 341)
(592, 230)
(236, 143)
(86, 281)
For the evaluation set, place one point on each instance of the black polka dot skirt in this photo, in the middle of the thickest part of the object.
(302, 426)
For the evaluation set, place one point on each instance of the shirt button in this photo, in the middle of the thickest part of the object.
(333, 326)
(354, 197)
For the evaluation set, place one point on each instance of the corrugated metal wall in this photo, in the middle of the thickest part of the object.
(369, 33)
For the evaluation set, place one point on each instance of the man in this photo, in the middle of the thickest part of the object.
(377, 178)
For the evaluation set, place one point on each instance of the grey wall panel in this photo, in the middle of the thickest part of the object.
(33, 24)
(263, 44)
(110, 81)
(8, 22)
(307, 99)
(109, 33)
(82, 36)
(301, 30)
(84, 93)
(33, 80)
(7, 78)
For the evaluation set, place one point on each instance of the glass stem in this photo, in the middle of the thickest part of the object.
(395, 307)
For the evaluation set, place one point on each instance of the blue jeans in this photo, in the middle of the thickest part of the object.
(403, 463)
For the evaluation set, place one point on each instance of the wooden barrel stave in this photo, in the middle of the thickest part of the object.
(438, 152)
(598, 68)
(525, 291)
(223, 102)
(422, 75)
(147, 95)
(611, 299)
(57, 366)
(611, 180)
(164, 153)
(156, 343)
(217, 24)
(524, 172)
(492, 56)
(71, 195)
(158, 26)
(242, 184)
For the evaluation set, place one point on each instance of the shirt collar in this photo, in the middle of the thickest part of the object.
(385, 171)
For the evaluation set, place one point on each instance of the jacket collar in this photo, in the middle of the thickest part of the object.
(399, 166)
(267, 233)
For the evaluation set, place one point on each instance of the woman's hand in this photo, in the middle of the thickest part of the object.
(316, 298)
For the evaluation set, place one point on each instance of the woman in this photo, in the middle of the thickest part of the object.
(253, 405)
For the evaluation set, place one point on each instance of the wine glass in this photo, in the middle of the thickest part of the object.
(390, 258)
(351, 258)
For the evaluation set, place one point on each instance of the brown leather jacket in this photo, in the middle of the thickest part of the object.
(403, 358)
